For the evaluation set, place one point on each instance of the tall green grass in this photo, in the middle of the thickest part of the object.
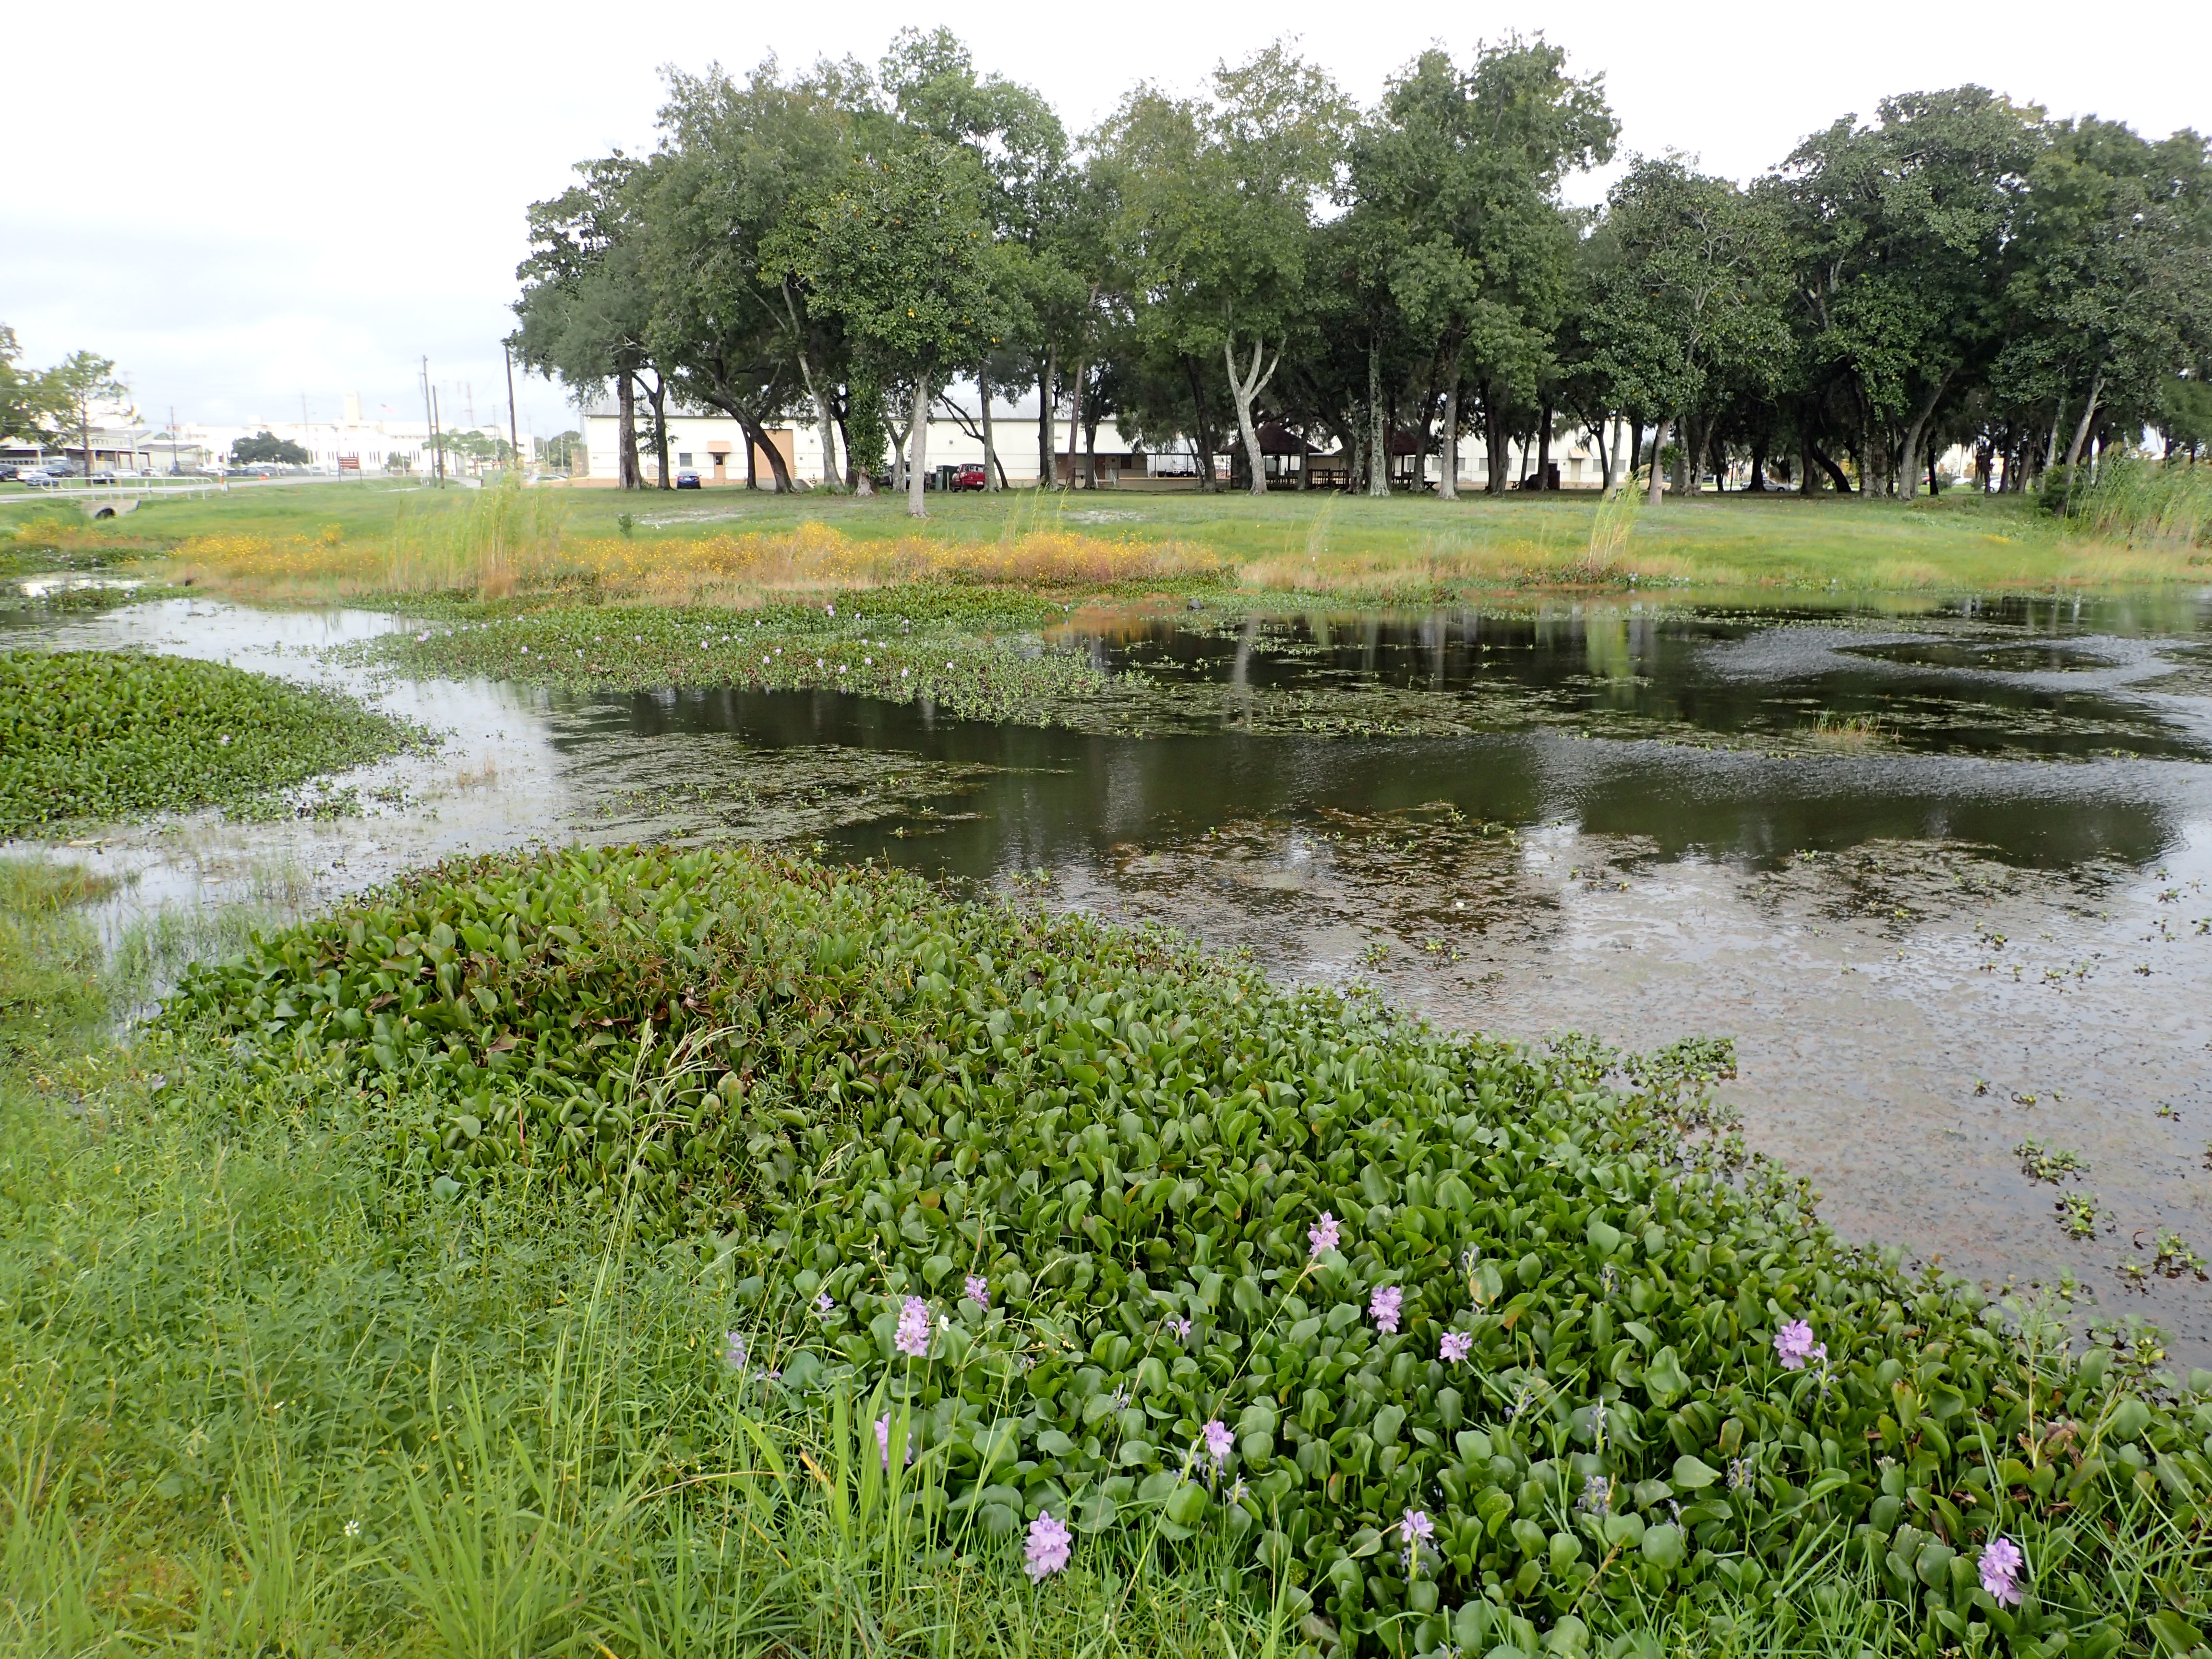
(2138, 500)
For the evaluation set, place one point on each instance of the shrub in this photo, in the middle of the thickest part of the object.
(1075, 1196)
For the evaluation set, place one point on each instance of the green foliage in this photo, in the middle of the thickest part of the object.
(266, 449)
(93, 734)
(863, 1092)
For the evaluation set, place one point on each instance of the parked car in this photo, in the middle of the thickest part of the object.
(967, 477)
(38, 477)
(687, 480)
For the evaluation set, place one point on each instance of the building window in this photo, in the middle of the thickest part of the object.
(682, 458)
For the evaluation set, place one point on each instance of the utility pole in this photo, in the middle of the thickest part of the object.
(514, 444)
(430, 420)
(437, 446)
(173, 441)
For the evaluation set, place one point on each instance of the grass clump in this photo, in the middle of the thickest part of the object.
(1236, 1279)
(102, 735)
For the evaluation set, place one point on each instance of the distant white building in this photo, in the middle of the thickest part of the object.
(713, 445)
(349, 445)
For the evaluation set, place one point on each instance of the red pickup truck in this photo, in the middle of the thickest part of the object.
(967, 477)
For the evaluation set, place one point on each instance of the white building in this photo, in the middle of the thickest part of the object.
(347, 446)
(713, 445)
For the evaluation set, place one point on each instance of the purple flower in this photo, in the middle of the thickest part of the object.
(1454, 1348)
(1415, 1530)
(884, 1440)
(2000, 1564)
(979, 1289)
(1219, 1442)
(823, 1304)
(913, 1338)
(734, 1351)
(1794, 1346)
(1383, 1305)
(1323, 1235)
(1180, 1327)
(1049, 1544)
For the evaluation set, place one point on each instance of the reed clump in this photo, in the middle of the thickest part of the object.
(2136, 500)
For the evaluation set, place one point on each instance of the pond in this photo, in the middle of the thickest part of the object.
(1944, 874)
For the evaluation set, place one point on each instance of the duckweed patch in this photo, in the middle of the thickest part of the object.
(99, 735)
(1114, 1231)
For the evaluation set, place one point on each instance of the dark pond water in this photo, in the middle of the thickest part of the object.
(1946, 876)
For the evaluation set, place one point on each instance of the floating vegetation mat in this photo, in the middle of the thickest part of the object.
(100, 735)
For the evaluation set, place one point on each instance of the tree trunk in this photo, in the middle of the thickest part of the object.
(1243, 389)
(1760, 442)
(1047, 433)
(898, 456)
(659, 398)
(626, 467)
(1544, 448)
(1908, 460)
(1493, 444)
(1447, 485)
(1379, 443)
(1635, 452)
(994, 475)
(757, 442)
(1837, 476)
(2088, 414)
(824, 425)
(917, 469)
(1658, 442)
(1203, 432)
(1075, 417)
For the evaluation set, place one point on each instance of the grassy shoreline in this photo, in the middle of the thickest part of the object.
(734, 547)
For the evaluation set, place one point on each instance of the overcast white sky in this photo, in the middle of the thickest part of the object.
(301, 204)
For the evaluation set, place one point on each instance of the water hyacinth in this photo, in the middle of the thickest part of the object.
(1219, 1443)
(979, 1289)
(1050, 1546)
(1414, 1530)
(1323, 1235)
(733, 1350)
(1794, 1346)
(1180, 1329)
(913, 1338)
(1455, 1347)
(884, 1440)
(1383, 1307)
(2001, 1562)
(823, 1305)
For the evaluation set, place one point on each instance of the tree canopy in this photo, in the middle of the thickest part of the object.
(841, 245)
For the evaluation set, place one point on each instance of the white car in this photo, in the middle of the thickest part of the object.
(36, 476)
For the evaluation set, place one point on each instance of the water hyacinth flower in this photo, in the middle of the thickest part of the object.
(1049, 1544)
(1219, 1443)
(913, 1338)
(823, 1304)
(1794, 1346)
(1455, 1347)
(1413, 1531)
(2001, 1562)
(733, 1350)
(884, 1440)
(979, 1289)
(1383, 1307)
(1323, 1235)
(1180, 1329)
